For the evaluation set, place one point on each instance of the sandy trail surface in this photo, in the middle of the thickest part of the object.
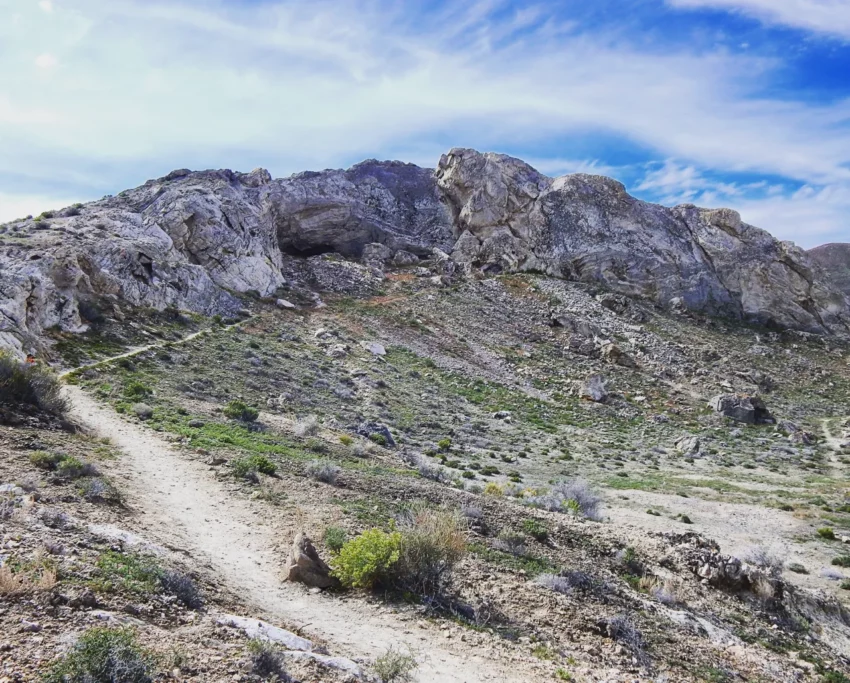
(183, 505)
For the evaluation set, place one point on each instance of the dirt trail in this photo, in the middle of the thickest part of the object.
(833, 442)
(185, 506)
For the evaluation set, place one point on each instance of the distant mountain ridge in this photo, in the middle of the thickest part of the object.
(193, 239)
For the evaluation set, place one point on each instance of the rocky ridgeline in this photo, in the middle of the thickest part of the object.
(192, 239)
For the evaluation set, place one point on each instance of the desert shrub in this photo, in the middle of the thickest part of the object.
(536, 529)
(432, 472)
(248, 467)
(137, 390)
(667, 592)
(510, 542)
(797, 568)
(308, 426)
(46, 461)
(628, 561)
(379, 439)
(568, 582)
(267, 661)
(316, 445)
(97, 490)
(335, 537)
(104, 655)
(444, 444)
(369, 559)
(622, 629)
(766, 559)
(143, 411)
(70, 468)
(494, 489)
(324, 471)
(826, 533)
(346, 439)
(360, 450)
(237, 410)
(30, 384)
(182, 587)
(55, 519)
(134, 573)
(841, 561)
(433, 542)
(575, 497)
(394, 667)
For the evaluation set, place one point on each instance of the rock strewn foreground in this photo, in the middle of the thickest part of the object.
(191, 240)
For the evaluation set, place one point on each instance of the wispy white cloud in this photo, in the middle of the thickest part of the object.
(297, 84)
(46, 61)
(824, 16)
(808, 215)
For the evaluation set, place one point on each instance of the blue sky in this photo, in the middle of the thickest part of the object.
(741, 103)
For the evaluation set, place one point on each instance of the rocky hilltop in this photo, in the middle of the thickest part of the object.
(192, 240)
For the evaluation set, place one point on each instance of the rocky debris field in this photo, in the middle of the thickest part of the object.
(644, 494)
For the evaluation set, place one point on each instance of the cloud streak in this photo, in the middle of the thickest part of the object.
(831, 17)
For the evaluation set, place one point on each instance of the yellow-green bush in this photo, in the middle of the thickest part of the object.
(369, 559)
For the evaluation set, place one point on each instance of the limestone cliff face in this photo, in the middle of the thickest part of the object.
(192, 240)
(588, 228)
(834, 260)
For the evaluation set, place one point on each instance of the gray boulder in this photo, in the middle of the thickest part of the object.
(594, 389)
(742, 408)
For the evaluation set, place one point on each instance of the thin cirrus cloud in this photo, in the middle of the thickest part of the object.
(824, 16)
(95, 97)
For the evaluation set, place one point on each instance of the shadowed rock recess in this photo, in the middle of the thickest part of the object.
(191, 239)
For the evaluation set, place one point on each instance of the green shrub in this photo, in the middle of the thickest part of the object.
(335, 537)
(137, 390)
(30, 384)
(537, 530)
(379, 439)
(237, 410)
(346, 440)
(368, 560)
(72, 468)
(245, 467)
(394, 667)
(841, 561)
(104, 655)
(444, 444)
(835, 677)
(127, 571)
(826, 533)
(46, 461)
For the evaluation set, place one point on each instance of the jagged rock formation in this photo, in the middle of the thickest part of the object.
(834, 259)
(190, 240)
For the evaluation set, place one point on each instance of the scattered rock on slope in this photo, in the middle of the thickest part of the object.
(742, 408)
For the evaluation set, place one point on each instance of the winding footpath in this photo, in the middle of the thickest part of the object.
(183, 505)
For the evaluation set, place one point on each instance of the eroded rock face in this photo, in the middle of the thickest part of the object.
(191, 238)
(585, 227)
(834, 259)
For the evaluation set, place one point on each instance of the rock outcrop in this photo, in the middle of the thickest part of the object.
(191, 240)
(834, 260)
